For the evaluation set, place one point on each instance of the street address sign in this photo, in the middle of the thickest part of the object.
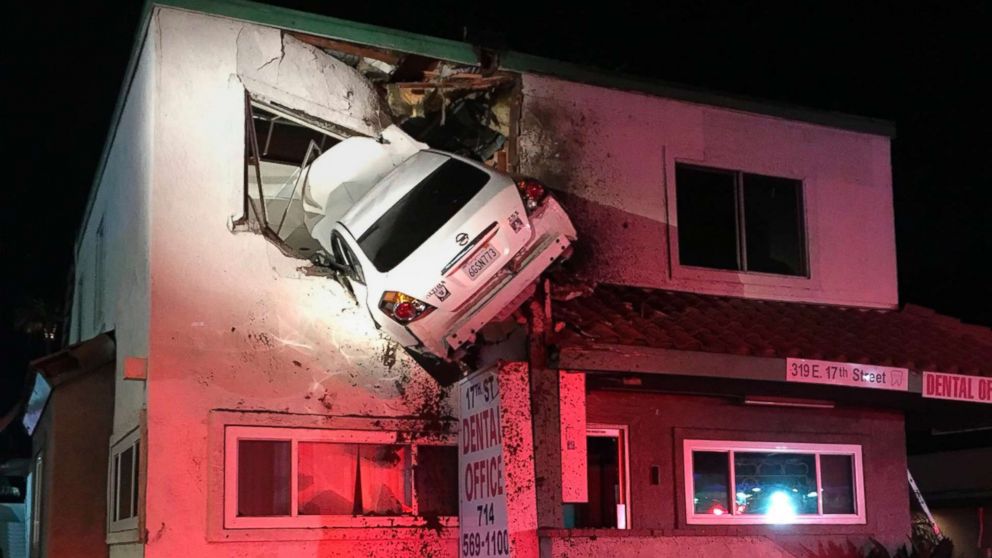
(846, 374)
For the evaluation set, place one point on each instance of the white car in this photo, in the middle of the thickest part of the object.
(436, 245)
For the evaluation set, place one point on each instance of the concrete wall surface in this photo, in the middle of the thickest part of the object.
(633, 545)
(237, 326)
(112, 273)
(613, 153)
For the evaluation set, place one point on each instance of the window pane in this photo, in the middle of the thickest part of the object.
(115, 485)
(711, 482)
(326, 479)
(385, 479)
(774, 225)
(125, 484)
(421, 212)
(137, 467)
(781, 485)
(837, 479)
(354, 479)
(264, 470)
(707, 214)
(437, 480)
(283, 141)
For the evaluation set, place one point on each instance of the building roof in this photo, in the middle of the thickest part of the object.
(462, 52)
(912, 337)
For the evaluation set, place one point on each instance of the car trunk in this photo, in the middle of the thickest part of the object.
(443, 252)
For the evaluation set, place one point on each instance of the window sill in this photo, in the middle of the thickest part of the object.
(738, 521)
(752, 278)
(706, 531)
(334, 533)
(124, 536)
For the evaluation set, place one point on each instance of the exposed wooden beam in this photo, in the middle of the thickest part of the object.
(387, 56)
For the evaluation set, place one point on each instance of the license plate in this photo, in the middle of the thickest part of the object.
(481, 262)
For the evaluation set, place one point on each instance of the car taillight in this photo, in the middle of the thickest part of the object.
(402, 307)
(531, 192)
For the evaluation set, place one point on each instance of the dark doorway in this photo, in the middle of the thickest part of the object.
(607, 505)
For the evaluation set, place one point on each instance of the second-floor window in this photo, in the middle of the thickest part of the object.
(740, 221)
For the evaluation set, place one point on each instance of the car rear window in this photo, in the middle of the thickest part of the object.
(420, 213)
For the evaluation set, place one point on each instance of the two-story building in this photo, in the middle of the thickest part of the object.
(722, 367)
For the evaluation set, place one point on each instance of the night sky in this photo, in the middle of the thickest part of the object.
(924, 69)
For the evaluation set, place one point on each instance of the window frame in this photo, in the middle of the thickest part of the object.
(816, 449)
(131, 440)
(234, 433)
(35, 539)
(807, 202)
(347, 257)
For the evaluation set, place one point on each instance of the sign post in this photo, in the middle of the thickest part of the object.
(482, 515)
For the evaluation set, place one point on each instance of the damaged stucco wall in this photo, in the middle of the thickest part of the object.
(280, 69)
(235, 324)
(613, 154)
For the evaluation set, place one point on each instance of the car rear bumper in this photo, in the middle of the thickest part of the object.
(443, 333)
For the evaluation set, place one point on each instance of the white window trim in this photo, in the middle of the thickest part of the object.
(37, 503)
(692, 518)
(233, 434)
(620, 433)
(129, 440)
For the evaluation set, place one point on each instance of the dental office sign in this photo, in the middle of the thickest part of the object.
(482, 520)
(938, 385)
(846, 374)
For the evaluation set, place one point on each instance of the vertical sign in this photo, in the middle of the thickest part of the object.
(482, 520)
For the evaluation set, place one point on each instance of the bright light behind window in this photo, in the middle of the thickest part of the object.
(780, 507)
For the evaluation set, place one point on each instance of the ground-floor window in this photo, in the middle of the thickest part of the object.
(301, 477)
(772, 482)
(607, 508)
(123, 485)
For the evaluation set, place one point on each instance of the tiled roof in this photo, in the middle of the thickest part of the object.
(913, 337)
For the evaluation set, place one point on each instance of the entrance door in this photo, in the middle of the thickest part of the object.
(607, 508)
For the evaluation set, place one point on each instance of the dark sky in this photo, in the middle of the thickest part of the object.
(923, 68)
